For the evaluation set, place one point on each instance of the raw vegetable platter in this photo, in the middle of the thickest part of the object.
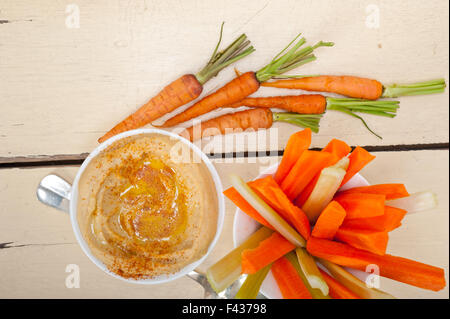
(244, 225)
(310, 218)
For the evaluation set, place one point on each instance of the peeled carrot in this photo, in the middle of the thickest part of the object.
(361, 205)
(249, 82)
(289, 281)
(337, 290)
(240, 202)
(369, 240)
(274, 196)
(269, 250)
(307, 166)
(336, 147)
(358, 159)
(397, 268)
(302, 104)
(329, 221)
(358, 87)
(390, 220)
(184, 89)
(391, 191)
(252, 119)
(297, 143)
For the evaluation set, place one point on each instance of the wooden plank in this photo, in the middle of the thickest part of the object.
(61, 88)
(42, 243)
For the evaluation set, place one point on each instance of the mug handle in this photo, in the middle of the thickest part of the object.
(55, 192)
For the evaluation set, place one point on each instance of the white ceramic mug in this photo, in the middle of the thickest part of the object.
(56, 192)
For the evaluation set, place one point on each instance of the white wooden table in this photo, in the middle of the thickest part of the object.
(63, 84)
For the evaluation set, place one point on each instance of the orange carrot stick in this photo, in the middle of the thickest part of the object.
(252, 119)
(361, 205)
(369, 240)
(358, 159)
(289, 281)
(391, 191)
(307, 166)
(337, 290)
(390, 220)
(302, 104)
(297, 143)
(329, 221)
(269, 250)
(336, 147)
(304, 195)
(184, 89)
(274, 196)
(240, 202)
(397, 268)
(351, 86)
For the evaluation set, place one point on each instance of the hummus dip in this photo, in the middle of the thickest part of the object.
(144, 214)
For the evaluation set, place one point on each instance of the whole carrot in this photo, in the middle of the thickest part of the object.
(316, 104)
(249, 82)
(296, 145)
(357, 87)
(302, 104)
(184, 89)
(257, 118)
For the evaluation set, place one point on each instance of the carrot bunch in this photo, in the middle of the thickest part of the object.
(301, 110)
(351, 230)
(305, 110)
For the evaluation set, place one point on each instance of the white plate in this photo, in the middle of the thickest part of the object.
(244, 226)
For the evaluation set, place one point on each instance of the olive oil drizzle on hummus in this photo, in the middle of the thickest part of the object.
(142, 208)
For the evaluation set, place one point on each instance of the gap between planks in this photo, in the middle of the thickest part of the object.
(77, 159)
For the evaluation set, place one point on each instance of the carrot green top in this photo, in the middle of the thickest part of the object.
(420, 88)
(220, 60)
(289, 59)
